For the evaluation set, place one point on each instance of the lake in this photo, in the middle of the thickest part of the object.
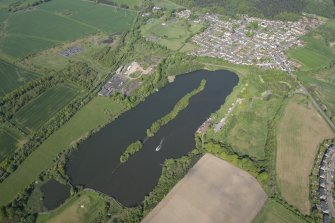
(96, 163)
(54, 194)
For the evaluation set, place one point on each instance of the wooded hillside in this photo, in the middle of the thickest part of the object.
(266, 8)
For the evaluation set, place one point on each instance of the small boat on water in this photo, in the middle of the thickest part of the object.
(160, 145)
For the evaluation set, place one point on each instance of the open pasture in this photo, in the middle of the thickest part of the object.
(59, 21)
(89, 47)
(321, 84)
(12, 77)
(10, 138)
(83, 207)
(310, 58)
(36, 113)
(173, 33)
(133, 4)
(167, 4)
(247, 129)
(300, 134)
(316, 53)
(273, 212)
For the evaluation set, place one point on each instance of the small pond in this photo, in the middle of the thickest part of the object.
(55, 193)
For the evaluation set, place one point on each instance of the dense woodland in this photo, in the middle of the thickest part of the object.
(22, 5)
(265, 8)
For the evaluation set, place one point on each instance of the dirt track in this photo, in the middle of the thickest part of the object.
(212, 191)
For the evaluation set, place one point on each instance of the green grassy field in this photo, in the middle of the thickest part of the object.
(167, 4)
(96, 113)
(316, 53)
(59, 21)
(249, 126)
(173, 34)
(130, 3)
(90, 45)
(83, 208)
(12, 77)
(37, 112)
(9, 140)
(321, 84)
(310, 58)
(3, 16)
(274, 212)
(35, 201)
(246, 130)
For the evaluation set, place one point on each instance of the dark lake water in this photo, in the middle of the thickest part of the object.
(96, 162)
(55, 194)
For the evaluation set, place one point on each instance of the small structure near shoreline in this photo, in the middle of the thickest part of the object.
(223, 121)
(203, 128)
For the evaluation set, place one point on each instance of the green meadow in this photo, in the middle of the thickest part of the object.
(167, 4)
(316, 53)
(273, 212)
(58, 21)
(83, 207)
(130, 3)
(247, 128)
(37, 112)
(9, 140)
(321, 84)
(12, 77)
(173, 34)
(310, 58)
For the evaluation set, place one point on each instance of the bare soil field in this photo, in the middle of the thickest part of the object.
(212, 191)
(300, 134)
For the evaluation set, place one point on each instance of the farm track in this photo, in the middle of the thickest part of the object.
(36, 37)
(72, 19)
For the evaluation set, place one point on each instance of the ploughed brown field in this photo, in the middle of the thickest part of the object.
(212, 191)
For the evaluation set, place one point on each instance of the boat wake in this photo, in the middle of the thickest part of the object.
(160, 145)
